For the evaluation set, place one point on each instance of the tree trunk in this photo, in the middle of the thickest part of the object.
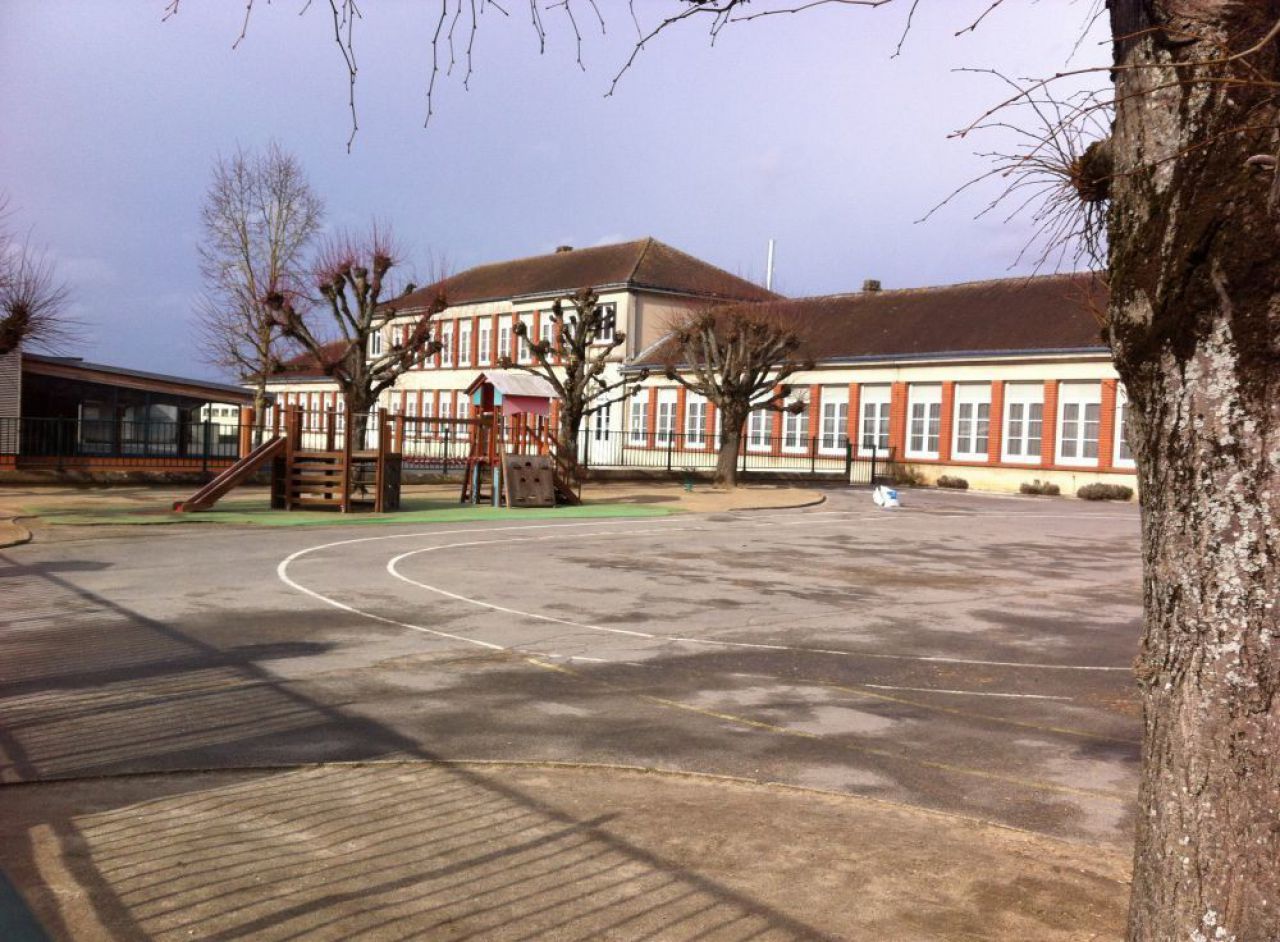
(570, 423)
(1194, 287)
(730, 447)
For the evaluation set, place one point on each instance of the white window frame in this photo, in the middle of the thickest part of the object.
(464, 343)
(608, 324)
(695, 420)
(971, 422)
(446, 346)
(638, 417)
(874, 404)
(924, 420)
(833, 434)
(375, 343)
(795, 429)
(666, 420)
(1122, 419)
(1075, 402)
(599, 425)
(504, 336)
(1026, 396)
(523, 344)
(760, 430)
(484, 334)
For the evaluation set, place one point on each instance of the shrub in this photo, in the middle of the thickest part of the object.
(903, 474)
(1040, 487)
(1100, 491)
(947, 480)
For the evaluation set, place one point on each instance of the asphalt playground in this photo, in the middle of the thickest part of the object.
(694, 726)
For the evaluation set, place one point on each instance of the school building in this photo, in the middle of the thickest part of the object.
(998, 382)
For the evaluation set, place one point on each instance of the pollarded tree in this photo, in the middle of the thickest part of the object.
(258, 220)
(33, 301)
(736, 356)
(574, 361)
(351, 276)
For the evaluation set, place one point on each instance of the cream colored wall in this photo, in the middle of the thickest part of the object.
(1010, 480)
(654, 315)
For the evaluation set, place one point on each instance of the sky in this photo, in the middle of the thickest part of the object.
(806, 129)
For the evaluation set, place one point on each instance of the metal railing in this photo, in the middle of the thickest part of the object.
(68, 442)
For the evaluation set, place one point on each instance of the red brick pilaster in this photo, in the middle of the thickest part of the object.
(1049, 425)
(1107, 425)
(898, 420)
(995, 426)
(681, 403)
(851, 429)
(651, 423)
(712, 442)
(775, 426)
(815, 414)
(947, 410)
(535, 330)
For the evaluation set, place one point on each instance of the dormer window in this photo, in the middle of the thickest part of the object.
(608, 323)
(375, 344)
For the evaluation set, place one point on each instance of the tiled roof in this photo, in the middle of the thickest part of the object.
(305, 366)
(1056, 313)
(644, 263)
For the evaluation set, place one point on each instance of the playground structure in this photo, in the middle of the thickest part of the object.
(513, 451)
(326, 460)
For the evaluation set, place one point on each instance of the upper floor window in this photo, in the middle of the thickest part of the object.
(524, 353)
(446, 350)
(504, 337)
(483, 331)
(608, 323)
(375, 343)
(464, 343)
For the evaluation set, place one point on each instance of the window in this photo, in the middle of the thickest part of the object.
(446, 351)
(504, 337)
(795, 429)
(666, 416)
(546, 334)
(695, 421)
(1079, 419)
(523, 353)
(972, 421)
(464, 343)
(411, 406)
(759, 437)
(462, 410)
(608, 323)
(600, 425)
(1023, 422)
(638, 418)
(428, 413)
(483, 331)
(375, 344)
(835, 420)
(874, 432)
(924, 421)
(1123, 454)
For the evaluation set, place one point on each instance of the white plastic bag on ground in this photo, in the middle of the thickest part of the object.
(886, 497)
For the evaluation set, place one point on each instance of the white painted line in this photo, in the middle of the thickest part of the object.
(393, 569)
(966, 693)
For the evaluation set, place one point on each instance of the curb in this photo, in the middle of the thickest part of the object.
(12, 533)
(820, 499)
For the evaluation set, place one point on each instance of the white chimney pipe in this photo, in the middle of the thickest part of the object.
(768, 272)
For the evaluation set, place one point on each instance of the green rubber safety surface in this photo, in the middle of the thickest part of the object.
(253, 511)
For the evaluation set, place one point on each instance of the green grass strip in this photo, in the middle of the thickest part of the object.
(253, 512)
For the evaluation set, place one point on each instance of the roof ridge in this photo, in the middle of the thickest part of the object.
(979, 283)
(648, 244)
(715, 267)
(551, 254)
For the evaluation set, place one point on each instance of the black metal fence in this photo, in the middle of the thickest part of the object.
(57, 442)
(675, 452)
(426, 445)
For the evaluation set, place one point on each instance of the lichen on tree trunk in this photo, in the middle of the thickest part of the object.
(1194, 323)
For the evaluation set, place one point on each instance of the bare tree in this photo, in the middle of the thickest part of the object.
(351, 275)
(259, 218)
(33, 301)
(1188, 183)
(573, 360)
(737, 357)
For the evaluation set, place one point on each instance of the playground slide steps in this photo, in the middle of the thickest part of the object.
(212, 492)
